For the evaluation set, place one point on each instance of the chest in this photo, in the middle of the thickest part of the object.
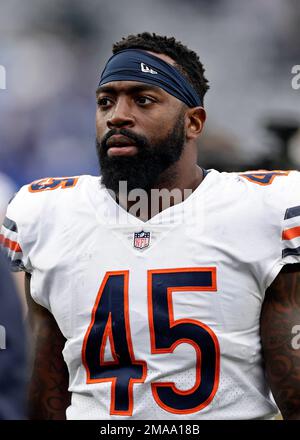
(176, 272)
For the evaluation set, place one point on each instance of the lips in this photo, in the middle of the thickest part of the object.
(119, 141)
(119, 145)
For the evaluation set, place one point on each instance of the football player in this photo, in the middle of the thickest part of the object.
(143, 309)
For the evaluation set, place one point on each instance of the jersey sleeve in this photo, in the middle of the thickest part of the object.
(18, 230)
(290, 227)
(274, 219)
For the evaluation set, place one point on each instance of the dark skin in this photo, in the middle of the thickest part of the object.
(149, 111)
(280, 313)
(48, 388)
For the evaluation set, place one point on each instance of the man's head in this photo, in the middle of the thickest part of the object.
(147, 121)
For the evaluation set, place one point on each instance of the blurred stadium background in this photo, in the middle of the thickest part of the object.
(53, 52)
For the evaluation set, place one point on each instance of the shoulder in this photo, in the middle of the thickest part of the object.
(43, 194)
(41, 201)
(274, 180)
(54, 186)
(280, 189)
(39, 210)
(260, 179)
(262, 194)
(260, 183)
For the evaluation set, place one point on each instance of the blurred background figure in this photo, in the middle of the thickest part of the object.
(13, 349)
(54, 51)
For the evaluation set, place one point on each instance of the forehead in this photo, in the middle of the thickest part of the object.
(136, 86)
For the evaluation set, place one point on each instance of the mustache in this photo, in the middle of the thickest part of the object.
(139, 140)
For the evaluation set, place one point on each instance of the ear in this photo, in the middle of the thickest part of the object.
(195, 118)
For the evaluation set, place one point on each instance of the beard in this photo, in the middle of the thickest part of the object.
(144, 169)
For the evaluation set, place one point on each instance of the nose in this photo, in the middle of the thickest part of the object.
(121, 115)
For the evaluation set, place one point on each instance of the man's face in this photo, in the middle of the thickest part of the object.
(140, 133)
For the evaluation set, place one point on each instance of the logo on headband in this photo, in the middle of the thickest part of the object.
(147, 69)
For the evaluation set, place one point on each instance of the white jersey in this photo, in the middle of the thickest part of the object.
(161, 317)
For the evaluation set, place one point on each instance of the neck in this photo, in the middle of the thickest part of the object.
(174, 186)
(181, 176)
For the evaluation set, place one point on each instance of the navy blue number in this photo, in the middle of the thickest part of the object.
(51, 183)
(167, 333)
(263, 177)
(110, 320)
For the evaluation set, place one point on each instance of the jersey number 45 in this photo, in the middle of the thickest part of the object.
(110, 319)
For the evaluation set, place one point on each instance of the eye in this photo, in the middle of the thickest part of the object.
(144, 100)
(104, 102)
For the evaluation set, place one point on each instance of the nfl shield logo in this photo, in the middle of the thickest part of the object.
(141, 240)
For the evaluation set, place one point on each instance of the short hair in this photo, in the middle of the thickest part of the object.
(186, 60)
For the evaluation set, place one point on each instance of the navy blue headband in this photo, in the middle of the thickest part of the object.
(141, 66)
